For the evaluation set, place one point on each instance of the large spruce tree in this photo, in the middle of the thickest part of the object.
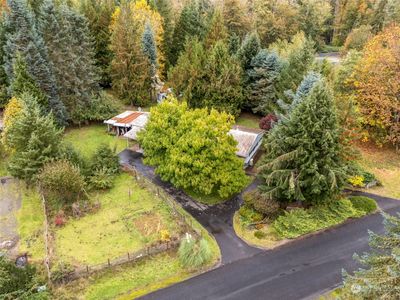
(67, 39)
(302, 161)
(264, 74)
(34, 139)
(25, 38)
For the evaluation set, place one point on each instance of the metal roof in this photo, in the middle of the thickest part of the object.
(247, 139)
(129, 118)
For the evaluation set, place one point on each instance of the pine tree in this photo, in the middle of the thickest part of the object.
(24, 83)
(191, 23)
(265, 72)
(235, 18)
(99, 15)
(302, 160)
(164, 7)
(3, 76)
(249, 48)
(216, 30)
(149, 47)
(67, 38)
(222, 84)
(380, 276)
(34, 138)
(23, 37)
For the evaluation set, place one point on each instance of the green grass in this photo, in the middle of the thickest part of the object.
(384, 163)
(87, 139)
(3, 167)
(123, 223)
(248, 120)
(30, 220)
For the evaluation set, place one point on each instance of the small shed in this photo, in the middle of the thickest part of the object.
(249, 142)
(124, 122)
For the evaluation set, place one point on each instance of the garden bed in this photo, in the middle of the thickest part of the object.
(298, 222)
(129, 219)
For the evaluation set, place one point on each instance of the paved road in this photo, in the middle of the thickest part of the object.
(217, 219)
(303, 269)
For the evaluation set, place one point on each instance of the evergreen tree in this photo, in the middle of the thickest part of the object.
(249, 48)
(192, 23)
(233, 44)
(24, 83)
(264, 74)
(380, 276)
(302, 160)
(3, 76)
(67, 38)
(216, 30)
(99, 15)
(34, 138)
(222, 85)
(149, 47)
(236, 20)
(23, 37)
(164, 7)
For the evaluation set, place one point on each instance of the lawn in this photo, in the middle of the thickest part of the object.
(130, 218)
(87, 139)
(30, 220)
(249, 120)
(385, 164)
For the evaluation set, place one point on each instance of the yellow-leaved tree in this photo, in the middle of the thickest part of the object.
(11, 112)
(376, 80)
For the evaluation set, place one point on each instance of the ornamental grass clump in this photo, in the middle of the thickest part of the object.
(193, 253)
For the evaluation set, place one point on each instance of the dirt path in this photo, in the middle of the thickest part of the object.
(10, 203)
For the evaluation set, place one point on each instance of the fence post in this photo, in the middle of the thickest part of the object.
(129, 257)
(108, 262)
(87, 269)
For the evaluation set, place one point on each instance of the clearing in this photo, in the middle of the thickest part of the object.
(384, 163)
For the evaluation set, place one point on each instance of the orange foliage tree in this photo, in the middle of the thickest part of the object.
(376, 80)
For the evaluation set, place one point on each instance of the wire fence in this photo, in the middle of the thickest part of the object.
(62, 274)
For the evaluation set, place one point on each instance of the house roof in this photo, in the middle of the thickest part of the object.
(247, 138)
(128, 119)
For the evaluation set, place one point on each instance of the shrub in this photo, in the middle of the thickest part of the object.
(300, 221)
(249, 214)
(268, 122)
(264, 205)
(17, 282)
(102, 107)
(61, 183)
(192, 253)
(260, 234)
(356, 181)
(68, 152)
(101, 179)
(364, 204)
(105, 158)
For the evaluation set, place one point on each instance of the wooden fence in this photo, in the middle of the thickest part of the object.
(183, 218)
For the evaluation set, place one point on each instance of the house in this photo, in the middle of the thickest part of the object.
(249, 142)
(126, 121)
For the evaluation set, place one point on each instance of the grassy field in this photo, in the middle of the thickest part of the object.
(249, 120)
(87, 139)
(385, 164)
(30, 220)
(129, 219)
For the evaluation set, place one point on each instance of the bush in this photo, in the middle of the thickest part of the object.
(18, 282)
(105, 158)
(264, 205)
(260, 234)
(268, 122)
(364, 204)
(101, 179)
(358, 37)
(68, 152)
(61, 183)
(300, 221)
(249, 214)
(194, 254)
